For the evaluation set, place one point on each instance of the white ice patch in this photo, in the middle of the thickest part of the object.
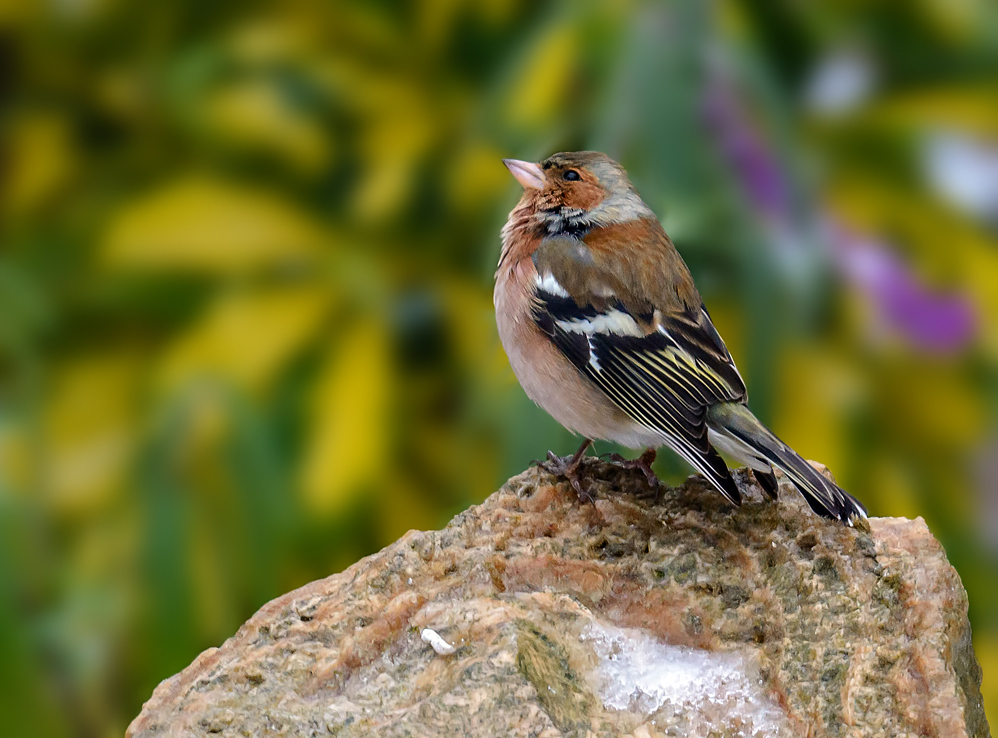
(702, 691)
(552, 286)
(614, 321)
(439, 645)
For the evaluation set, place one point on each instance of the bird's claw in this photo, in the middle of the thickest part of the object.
(551, 463)
(643, 462)
(568, 467)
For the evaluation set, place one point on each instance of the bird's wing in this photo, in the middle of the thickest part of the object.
(663, 369)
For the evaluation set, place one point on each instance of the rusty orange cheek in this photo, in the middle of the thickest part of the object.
(584, 195)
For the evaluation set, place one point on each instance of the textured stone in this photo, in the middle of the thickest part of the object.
(683, 617)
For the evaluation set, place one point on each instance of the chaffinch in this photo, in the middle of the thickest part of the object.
(607, 332)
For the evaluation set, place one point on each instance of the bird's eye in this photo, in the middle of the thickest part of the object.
(571, 176)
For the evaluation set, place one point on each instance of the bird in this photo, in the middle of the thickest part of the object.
(605, 330)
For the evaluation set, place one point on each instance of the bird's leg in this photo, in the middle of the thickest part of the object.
(643, 462)
(568, 467)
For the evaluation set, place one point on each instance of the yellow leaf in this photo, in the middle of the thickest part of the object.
(210, 579)
(42, 160)
(817, 393)
(541, 89)
(979, 267)
(384, 189)
(200, 224)
(435, 22)
(986, 648)
(399, 130)
(349, 420)
(889, 489)
(402, 506)
(14, 13)
(246, 337)
(968, 109)
(477, 178)
(931, 403)
(472, 322)
(254, 115)
(954, 22)
(495, 12)
(17, 467)
(89, 430)
(275, 40)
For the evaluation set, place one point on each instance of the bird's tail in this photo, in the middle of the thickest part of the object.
(736, 430)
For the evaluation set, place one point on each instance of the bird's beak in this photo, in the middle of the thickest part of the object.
(527, 173)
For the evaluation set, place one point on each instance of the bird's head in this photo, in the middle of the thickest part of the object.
(575, 191)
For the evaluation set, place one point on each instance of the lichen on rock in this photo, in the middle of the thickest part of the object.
(624, 617)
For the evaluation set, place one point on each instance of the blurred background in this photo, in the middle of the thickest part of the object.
(246, 257)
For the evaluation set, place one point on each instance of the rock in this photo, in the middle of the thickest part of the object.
(533, 614)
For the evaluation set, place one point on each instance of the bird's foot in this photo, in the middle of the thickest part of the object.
(643, 462)
(569, 467)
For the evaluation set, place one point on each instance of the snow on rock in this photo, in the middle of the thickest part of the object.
(706, 689)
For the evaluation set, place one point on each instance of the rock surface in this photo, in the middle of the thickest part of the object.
(683, 617)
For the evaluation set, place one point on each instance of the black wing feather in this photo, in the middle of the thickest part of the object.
(673, 375)
(665, 380)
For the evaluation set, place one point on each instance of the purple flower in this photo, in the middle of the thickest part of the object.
(746, 152)
(931, 320)
(935, 321)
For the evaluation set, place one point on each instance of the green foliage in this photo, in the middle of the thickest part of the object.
(246, 330)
